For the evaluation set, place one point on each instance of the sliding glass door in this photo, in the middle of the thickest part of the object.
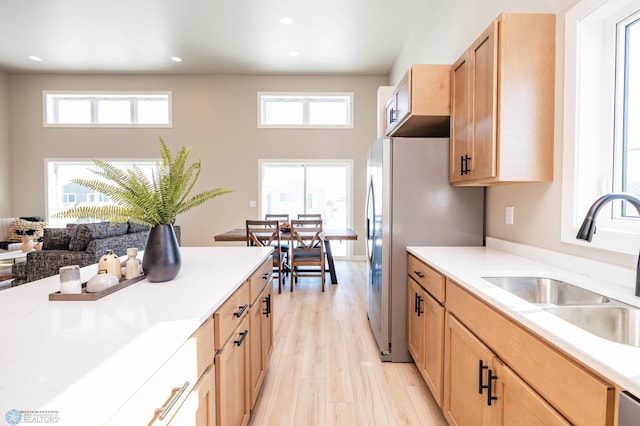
(296, 187)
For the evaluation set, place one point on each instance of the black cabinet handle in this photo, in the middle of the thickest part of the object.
(419, 274)
(265, 276)
(420, 311)
(267, 308)
(243, 335)
(481, 368)
(462, 171)
(241, 311)
(415, 302)
(491, 377)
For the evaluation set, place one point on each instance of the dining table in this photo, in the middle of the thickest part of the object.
(330, 234)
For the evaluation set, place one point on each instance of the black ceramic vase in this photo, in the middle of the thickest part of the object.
(161, 260)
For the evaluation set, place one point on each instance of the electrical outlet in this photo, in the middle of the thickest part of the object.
(252, 204)
(509, 215)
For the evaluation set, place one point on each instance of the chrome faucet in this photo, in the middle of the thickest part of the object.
(588, 227)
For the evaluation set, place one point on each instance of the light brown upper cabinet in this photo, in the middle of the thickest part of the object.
(419, 105)
(502, 103)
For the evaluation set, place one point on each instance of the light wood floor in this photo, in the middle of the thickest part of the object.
(325, 368)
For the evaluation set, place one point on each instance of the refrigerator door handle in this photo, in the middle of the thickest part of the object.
(370, 216)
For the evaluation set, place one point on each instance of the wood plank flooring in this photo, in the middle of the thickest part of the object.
(325, 368)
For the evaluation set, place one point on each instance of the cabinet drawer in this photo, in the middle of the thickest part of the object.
(259, 278)
(168, 388)
(580, 396)
(230, 315)
(429, 279)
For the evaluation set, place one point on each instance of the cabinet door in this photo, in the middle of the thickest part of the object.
(460, 139)
(232, 378)
(433, 346)
(518, 404)
(256, 374)
(267, 324)
(200, 406)
(467, 361)
(390, 114)
(403, 97)
(415, 331)
(483, 57)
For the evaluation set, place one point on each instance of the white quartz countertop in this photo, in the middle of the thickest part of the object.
(82, 360)
(618, 363)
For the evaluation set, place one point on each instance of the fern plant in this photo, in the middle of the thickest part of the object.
(155, 201)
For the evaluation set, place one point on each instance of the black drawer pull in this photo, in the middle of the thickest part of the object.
(419, 274)
(265, 276)
(243, 335)
(420, 300)
(241, 311)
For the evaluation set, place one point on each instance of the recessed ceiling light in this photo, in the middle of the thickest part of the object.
(294, 53)
(285, 20)
(35, 58)
(176, 59)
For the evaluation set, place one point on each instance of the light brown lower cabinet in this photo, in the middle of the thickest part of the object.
(425, 334)
(481, 390)
(232, 368)
(492, 369)
(261, 340)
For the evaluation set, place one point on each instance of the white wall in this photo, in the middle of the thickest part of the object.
(5, 163)
(448, 29)
(216, 115)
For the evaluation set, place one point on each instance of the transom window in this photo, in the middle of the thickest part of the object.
(282, 110)
(107, 109)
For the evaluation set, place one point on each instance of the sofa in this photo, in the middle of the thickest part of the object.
(80, 244)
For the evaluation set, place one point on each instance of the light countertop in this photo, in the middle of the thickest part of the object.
(619, 363)
(84, 359)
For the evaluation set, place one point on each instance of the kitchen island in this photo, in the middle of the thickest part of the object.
(552, 356)
(80, 361)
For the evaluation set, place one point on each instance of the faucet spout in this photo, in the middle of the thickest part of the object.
(588, 227)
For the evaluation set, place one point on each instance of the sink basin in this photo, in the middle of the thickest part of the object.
(620, 324)
(547, 291)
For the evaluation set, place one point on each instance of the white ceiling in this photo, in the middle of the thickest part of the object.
(211, 36)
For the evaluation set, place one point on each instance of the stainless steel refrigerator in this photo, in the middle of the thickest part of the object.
(410, 203)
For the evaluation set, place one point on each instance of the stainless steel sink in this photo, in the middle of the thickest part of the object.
(547, 291)
(620, 324)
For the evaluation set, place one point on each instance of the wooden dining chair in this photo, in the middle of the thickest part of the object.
(307, 250)
(282, 218)
(265, 233)
(308, 216)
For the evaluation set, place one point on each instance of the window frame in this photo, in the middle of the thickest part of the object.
(50, 193)
(589, 119)
(306, 98)
(94, 96)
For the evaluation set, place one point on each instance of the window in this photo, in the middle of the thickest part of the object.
(305, 110)
(602, 137)
(107, 109)
(63, 194)
(295, 187)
